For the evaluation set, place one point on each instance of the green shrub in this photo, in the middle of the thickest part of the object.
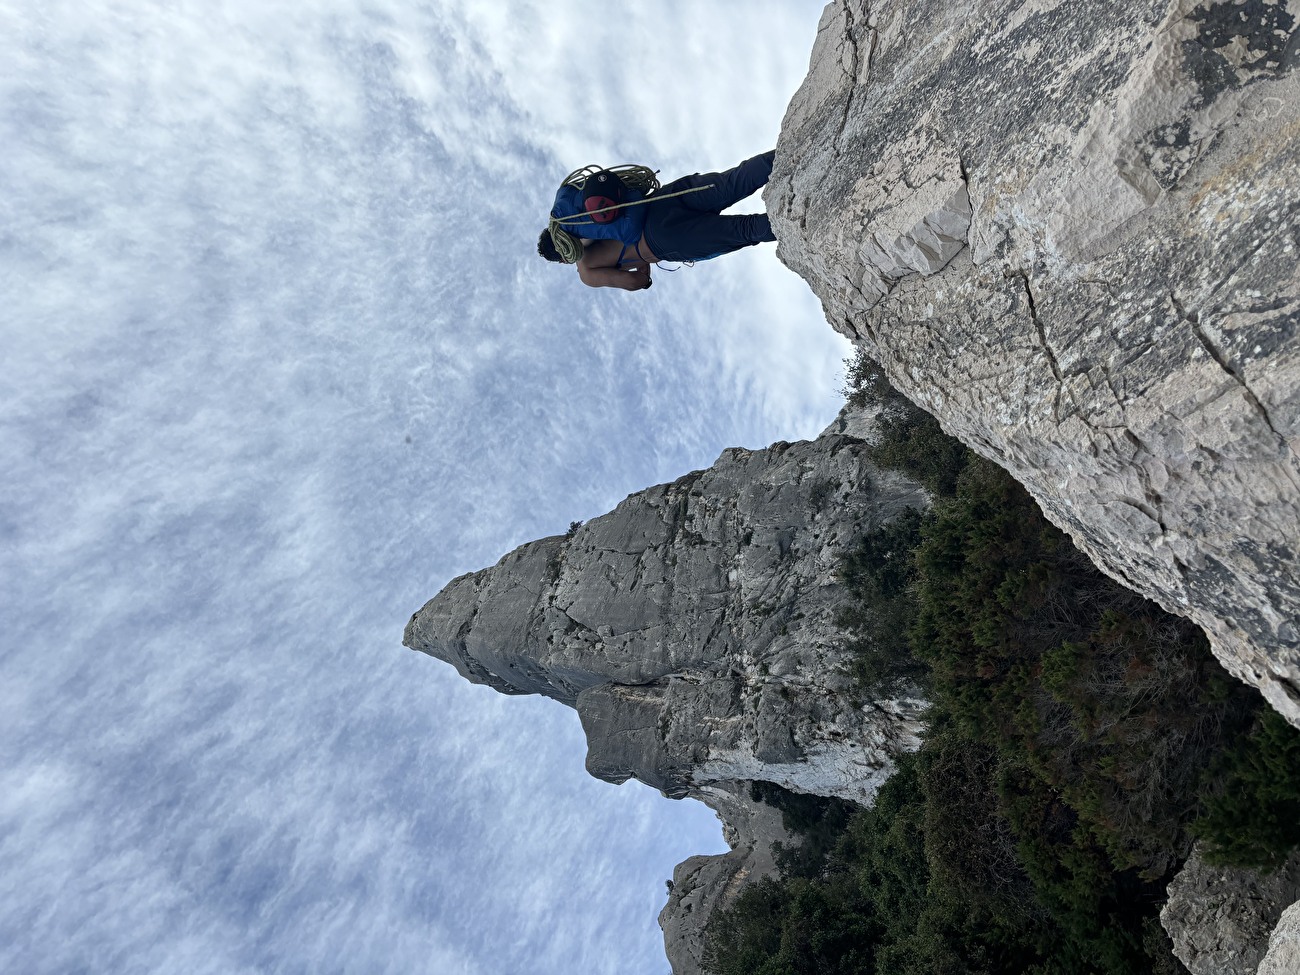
(817, 821)
(865, 384)
(911, 439)
(1252, 815)
(878, 574)
(746, 938)
(1106, 699)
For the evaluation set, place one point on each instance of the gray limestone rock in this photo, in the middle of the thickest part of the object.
(703, 884)
(1071, 231)
(694, 630)
(1283, 957)
(1220, 918)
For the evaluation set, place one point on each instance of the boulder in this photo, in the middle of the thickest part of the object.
(1220, 918)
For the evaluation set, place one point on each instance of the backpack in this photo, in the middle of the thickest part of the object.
(600, 204)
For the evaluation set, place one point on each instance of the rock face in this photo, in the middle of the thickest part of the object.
(1070, 231)
(693, 629)
(1220, 918)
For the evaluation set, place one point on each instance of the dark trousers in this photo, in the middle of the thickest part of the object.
(691, 228)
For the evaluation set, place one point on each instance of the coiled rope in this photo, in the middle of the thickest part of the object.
(642, 178)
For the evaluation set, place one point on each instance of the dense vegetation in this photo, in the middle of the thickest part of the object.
(1079, 737)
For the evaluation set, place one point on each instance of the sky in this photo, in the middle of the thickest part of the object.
(279, 361)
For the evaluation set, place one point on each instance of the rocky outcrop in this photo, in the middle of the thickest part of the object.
(1220, 918)
(1071, 232)
(693, 629)
(702, 884)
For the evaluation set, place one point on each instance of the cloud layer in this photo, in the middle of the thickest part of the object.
(279, 362)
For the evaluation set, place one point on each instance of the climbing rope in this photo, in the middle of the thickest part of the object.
(635, 177)
(642, 178)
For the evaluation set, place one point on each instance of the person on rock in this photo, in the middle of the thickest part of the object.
(681, 221)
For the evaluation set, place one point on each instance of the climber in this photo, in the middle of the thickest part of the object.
(614, 232)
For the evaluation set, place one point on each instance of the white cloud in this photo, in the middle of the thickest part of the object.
(280, 361)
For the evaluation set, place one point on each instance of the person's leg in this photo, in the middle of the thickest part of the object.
(681, 234)
(723, 189)
(730, 186)
(731, 232)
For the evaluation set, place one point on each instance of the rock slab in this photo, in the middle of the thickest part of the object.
(1283, 956)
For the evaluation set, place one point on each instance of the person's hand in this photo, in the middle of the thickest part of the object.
(641, 272)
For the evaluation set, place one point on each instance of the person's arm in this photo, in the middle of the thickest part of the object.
(635, 278)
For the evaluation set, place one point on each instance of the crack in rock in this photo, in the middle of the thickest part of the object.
(1023, 276)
